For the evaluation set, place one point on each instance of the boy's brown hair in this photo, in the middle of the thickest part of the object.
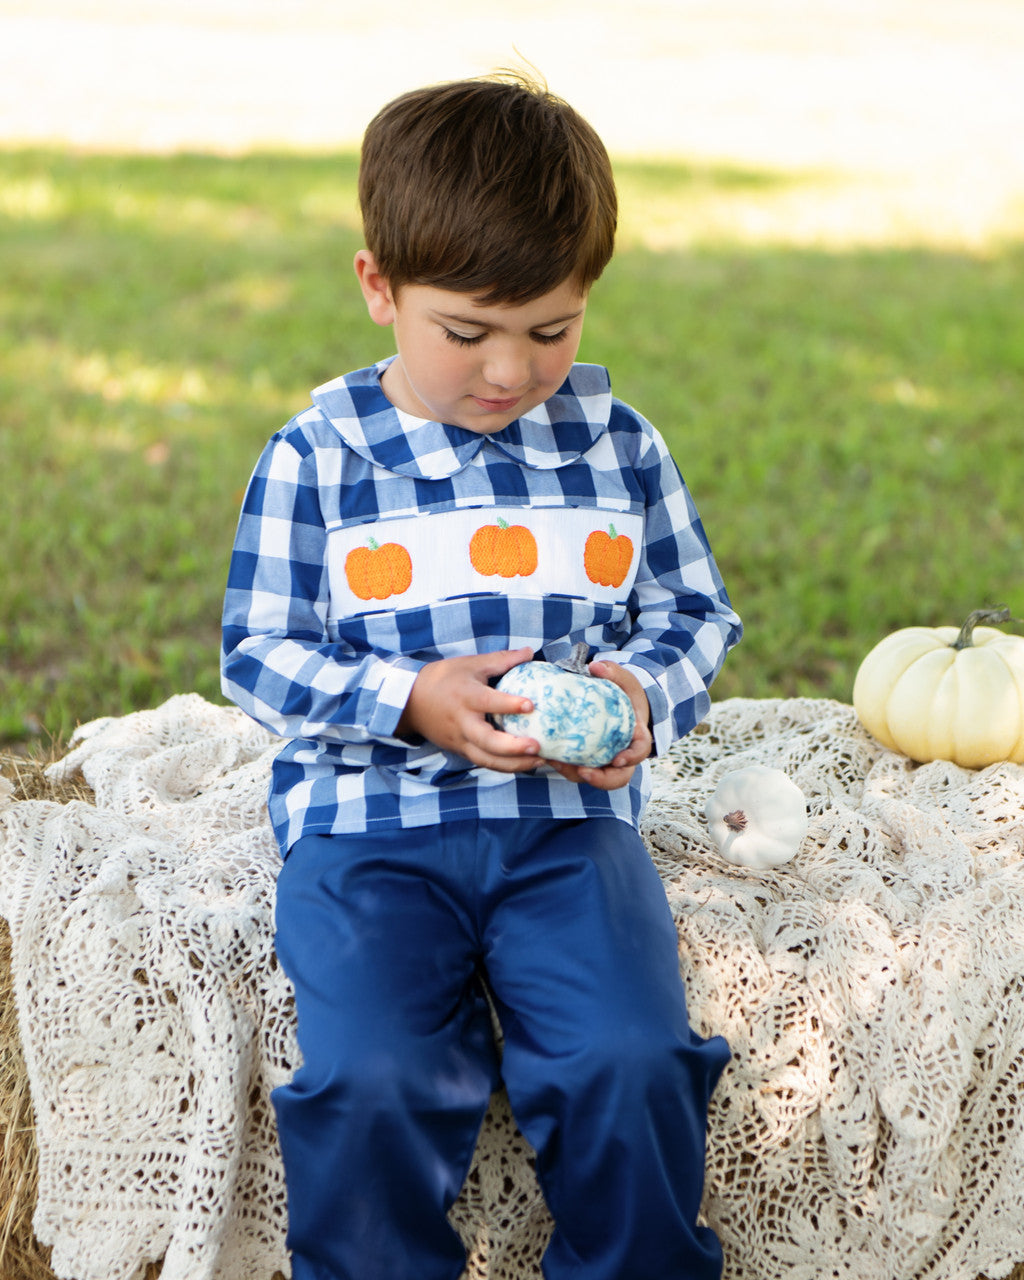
(492, 187)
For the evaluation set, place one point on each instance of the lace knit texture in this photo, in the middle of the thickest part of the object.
(867, 1127)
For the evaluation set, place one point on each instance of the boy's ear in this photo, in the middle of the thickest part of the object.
(380, 301)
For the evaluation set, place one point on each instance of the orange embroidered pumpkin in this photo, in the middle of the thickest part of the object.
(376, 572)
(503, 549)
(607, 557)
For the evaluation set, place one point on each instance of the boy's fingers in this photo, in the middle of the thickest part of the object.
(616, 673)
(607, 778)
(640, 746)
(496, 664)
(515, 763)
(494, 703)
(496, 744)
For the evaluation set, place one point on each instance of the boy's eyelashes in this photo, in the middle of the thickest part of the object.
(545, 339)
(460, 339)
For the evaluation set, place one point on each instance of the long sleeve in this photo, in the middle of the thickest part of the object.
(278, 662)
(683, 624)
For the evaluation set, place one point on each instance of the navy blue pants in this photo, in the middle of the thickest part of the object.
(389, 939)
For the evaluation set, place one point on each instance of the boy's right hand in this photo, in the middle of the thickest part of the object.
(451, 700)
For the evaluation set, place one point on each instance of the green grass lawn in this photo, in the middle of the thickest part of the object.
(850, 421)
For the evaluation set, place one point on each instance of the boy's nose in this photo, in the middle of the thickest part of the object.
(509, 372)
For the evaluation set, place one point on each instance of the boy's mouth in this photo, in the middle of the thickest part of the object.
(497, 406)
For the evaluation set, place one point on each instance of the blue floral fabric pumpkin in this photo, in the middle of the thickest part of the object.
(577, 718)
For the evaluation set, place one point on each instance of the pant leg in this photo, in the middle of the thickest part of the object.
(604, 1074)
(379, 1123)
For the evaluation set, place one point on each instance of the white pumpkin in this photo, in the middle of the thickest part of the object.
(933, 693)
(757, 817)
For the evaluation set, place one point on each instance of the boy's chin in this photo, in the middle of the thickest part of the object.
(486, 428)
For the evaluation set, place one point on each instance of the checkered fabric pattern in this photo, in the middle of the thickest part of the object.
(354, 566)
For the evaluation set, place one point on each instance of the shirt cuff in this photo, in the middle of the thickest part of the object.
(397, 677)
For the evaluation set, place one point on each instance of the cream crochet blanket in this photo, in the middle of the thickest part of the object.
(869, 1127)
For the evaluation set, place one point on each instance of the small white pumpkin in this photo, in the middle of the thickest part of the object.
(757, 817)
(576, 717)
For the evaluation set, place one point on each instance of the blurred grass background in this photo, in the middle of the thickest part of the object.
(849, 416)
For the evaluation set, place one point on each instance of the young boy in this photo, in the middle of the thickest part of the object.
(476, 500)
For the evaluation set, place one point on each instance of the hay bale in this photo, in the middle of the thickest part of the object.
(21, 1256)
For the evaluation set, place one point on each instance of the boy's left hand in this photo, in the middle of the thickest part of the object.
(617, 774)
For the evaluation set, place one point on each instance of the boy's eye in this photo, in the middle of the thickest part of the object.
(461, 340)
(465, 340)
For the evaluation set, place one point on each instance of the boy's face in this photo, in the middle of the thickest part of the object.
(473, 366)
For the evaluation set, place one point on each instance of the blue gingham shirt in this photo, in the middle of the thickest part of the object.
(372, 542)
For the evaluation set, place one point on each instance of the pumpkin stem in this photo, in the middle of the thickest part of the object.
(736, 821)
(576, 662)
(373, 544)
(964, 640)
